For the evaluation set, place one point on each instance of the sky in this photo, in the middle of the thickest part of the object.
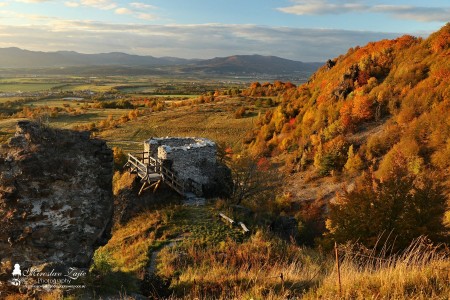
(305, 30)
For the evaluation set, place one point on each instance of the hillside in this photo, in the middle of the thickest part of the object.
(384, 109)
(252, 64)
(70, 62)
(19, 58)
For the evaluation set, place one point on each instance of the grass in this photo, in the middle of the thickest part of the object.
(421, 272)
(252, 270)
(26, 87)
(129, 250)
(213, 260)
(238, 270)
(211, 120)
(129, 245)
(100, 87)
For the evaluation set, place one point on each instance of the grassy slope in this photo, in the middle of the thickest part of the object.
(210, 120)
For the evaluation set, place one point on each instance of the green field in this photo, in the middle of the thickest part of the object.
(26, 87)
(210, 120)
(214, 120)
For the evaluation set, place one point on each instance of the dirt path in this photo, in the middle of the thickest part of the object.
(154, 257)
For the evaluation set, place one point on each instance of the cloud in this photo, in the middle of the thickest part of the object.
(422, 14)
(145, 16)
(139, 5)
(123, 11)
(3, 4)
(137, 9)
(35, 19)
(321, 7)
(188, 41)
(333, 7)
(100, 4)
(71, 4)
(33, 1)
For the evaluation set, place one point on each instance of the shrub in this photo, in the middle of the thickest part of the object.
(405, 204)
(240, 112)
(120, 158)
(122, 181)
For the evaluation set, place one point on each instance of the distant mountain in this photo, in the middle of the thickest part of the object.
(116, 63)
(19, 58)
(252, 64)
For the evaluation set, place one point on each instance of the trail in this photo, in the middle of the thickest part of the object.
(190, 201)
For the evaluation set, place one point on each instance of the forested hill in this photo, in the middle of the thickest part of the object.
(383, 107)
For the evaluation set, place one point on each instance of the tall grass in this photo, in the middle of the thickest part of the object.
(253, 270)
(261, 267)
(420, 272)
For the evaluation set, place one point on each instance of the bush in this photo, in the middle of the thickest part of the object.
(404, 205)
(122, 181)
(120, 158)
(240, 112)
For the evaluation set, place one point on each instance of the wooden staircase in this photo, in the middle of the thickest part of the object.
(152, 173)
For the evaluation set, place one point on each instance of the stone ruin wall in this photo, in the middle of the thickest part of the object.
(192, 158)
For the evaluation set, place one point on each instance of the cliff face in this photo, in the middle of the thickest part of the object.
(56, 201)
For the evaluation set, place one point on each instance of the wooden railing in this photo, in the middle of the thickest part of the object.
(137, 166)
(143, 164)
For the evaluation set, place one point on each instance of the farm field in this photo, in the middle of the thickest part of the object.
(70, 106)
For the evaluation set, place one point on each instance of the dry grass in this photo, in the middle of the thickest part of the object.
(210, 120)
(251, 270)
(129, 245)
(122, 181)
(421, 272)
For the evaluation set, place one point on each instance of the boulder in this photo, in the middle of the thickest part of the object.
(56, 201)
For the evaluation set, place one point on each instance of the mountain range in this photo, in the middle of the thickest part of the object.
(16, 58)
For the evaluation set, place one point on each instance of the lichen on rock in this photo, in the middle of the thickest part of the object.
(56, 199)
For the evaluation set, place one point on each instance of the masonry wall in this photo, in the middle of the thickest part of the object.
(190, 158)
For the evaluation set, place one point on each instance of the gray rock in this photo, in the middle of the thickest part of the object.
(56, 202)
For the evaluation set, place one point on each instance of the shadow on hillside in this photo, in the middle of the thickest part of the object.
(128, 204)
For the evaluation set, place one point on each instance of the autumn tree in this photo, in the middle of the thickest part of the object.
(332, 156)
(120, 158)
(404, 206)
(253, 179)
(354, 162)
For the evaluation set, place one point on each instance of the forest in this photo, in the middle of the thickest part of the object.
(377, 120)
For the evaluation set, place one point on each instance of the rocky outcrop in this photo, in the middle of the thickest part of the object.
(56, 202)
(347, 84)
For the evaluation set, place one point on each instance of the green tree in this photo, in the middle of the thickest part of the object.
(354, 162)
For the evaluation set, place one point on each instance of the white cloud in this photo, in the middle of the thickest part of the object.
(148, 17)
(140, 5)
(417, 13)
(71, 4)
(33, 1)
(329, 7)
(3, 4)
(123, 11)
(321, 7)
(100, 4)
(188, 41)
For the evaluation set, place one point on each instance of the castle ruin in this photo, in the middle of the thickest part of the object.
(193, 160)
